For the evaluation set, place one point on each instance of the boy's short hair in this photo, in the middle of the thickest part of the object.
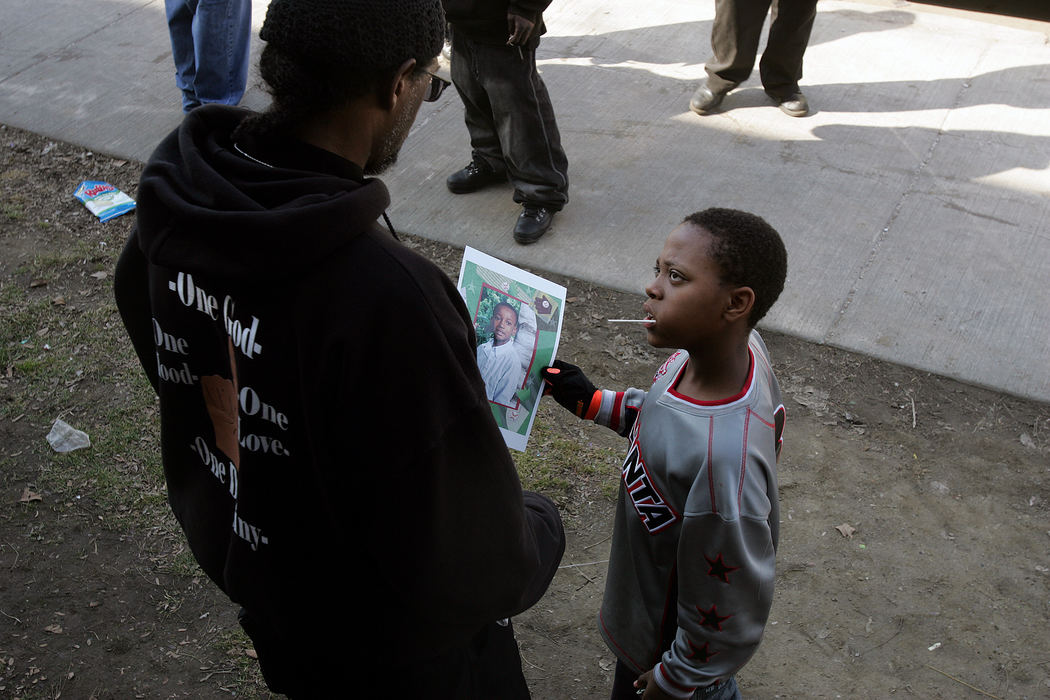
(749, 253)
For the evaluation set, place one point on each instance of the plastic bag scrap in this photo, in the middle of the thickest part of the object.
(65, 438)
(103, 199)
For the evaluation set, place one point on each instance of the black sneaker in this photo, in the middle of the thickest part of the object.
(473, 177)
(533, 222)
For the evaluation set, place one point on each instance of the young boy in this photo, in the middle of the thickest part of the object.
(498, 360)
(690, 578)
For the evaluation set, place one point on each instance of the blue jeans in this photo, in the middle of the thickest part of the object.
(211, 45)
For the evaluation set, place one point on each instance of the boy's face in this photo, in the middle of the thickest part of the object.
(686, 297)
(504, 324)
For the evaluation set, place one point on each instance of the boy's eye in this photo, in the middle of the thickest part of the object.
(656, 270)
(675, 277)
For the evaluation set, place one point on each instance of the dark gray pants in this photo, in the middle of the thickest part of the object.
(510, 119)
(737, 31)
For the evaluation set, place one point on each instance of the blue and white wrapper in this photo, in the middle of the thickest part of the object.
(103, 199)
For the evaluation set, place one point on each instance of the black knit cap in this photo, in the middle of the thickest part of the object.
(363, 34)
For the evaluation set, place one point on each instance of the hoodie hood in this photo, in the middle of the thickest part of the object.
(260, 211)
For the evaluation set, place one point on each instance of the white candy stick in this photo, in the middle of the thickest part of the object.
(630, 320)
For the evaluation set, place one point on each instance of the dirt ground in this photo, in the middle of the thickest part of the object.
(914, 558)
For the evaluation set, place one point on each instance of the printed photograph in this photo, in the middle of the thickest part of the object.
(517, 319)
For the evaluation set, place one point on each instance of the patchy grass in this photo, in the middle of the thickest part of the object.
(563, 461)
(242, 672)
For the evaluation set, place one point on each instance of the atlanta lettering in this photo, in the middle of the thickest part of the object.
(654, 512)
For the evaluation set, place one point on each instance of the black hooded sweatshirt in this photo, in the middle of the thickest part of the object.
(326, 440)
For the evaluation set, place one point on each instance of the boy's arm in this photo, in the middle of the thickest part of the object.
(570, 387)
(726, 574)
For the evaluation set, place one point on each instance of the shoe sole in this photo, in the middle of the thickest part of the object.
(526, 240)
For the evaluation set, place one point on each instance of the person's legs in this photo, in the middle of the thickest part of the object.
(623, 683)
(497, 664)
(180, 28)
(735, 35)
(526, 126)
(477, 111)
(293, 664)
(222, 31)
(789, 31)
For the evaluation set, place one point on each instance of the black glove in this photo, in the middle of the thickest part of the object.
(570, 387)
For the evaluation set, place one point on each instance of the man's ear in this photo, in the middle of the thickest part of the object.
(399, 84)
(741, 301)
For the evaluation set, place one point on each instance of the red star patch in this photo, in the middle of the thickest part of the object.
(711, 618)
(719, 569)
(704, 653)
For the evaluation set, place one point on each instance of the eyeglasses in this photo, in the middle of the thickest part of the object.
(437, 86)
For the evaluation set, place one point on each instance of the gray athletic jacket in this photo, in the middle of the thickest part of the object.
(691, 570)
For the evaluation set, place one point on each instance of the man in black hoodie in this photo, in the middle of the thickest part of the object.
(513, 133)
(362, 510)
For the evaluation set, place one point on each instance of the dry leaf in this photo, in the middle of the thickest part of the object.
(59, 301)
(100, 275)
(28, 496)
(54, 629)
(38, 282)
(250, 653)
(845, 529)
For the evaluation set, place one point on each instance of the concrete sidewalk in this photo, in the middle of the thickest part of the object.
(914, 201)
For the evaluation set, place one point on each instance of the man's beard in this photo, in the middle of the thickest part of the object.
(391, 144)
(379, 165)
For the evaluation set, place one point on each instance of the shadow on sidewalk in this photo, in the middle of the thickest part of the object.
(1026, 9)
